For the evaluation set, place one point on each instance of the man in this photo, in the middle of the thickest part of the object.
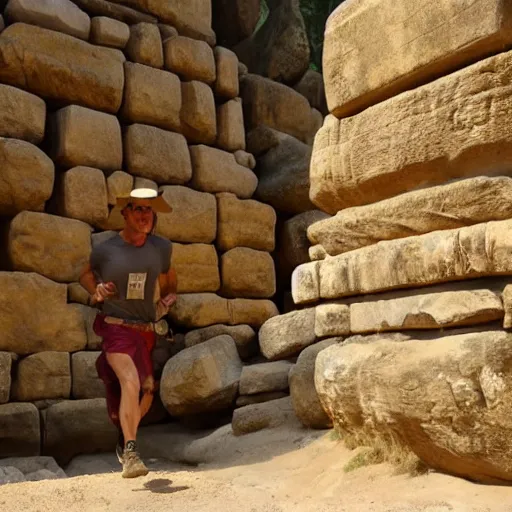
(130, 276)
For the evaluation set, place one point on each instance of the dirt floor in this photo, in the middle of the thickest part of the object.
(286, 469)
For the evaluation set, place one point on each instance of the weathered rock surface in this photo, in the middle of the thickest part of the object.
(68, 427)
(436, 257)
(27, 178)
(243, 335)
(77, 293)
(262, 138)
(246, 159)
(157, 154)
(32, 469)
(49, 324)
(245, 223)
(86, 383)
(230, 123)
(86, 137)
(145, 45)
(215, 170)
(198, 116)
(5, 376)
(454, 205)
(41, 376)
(306, 403)
(109, 32)
(287, 335)
(60, 15)
(193, 219)
(60, 67)
(112, 10)
(265, 377)
(445, 399)
(277, 106)
(235, 20)
(248, 273)
(55, 247)
(19, 424)
(197, 267)
(428, 311)
(254, 312)
(384, 48)
(259, 398)
(507, 306)
(375, 155)
(22, 115)
(119, 183)
(88, 315)
(226, 64)
(280, 48)
(190, 59)
(283, 176)
(332, 320)
(273, 414)
(152, 96)
(311, 86)
(214, 364)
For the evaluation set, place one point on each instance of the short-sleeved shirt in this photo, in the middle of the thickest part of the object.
(134, 271)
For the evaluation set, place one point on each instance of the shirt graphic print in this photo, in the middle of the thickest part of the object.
(136, 286)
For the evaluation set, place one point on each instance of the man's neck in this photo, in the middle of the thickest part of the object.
(133, 237)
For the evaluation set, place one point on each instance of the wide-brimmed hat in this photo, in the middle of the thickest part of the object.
(158, 203)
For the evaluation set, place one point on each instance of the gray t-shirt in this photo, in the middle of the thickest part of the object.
(134, 271)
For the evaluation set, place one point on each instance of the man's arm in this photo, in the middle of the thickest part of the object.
(98, 291)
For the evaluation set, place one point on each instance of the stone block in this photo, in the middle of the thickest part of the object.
(197, 267)
(109, 32)
(198, 116)
(145, 45)
(230, 126)
(226, 64)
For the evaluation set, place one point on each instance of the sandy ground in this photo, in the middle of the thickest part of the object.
(282, 470)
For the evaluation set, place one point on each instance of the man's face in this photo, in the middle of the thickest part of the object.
(139, 216)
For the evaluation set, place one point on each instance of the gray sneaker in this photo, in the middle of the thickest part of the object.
(132, 464)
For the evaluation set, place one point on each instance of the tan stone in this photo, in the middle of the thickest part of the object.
(226, 63)
(276, 106)
(152, 96)
(333, 320)
(109, 32)
(145, 45)
(375, 50)
(200, 310)
(77, 293)
(55, 247)
(193, 219)
(507, 306)
(245, 159)
(5, 376)
(41, 376)
(286, 335)
(245, 223)
(60, 15)
(145, 183)
(197, 267)
(262, 138)
(27, 177)
(86, 383)
(21, 433)
(254, 312)
(87, 137)
(260, 398)
(230, 126)
(306, 403)
(253, 418)
(22, 115)
(83, 195)
(157, 154)
(454, 205)
(248, 273)
(167, 32)
(88, 316)
(217, 171)
(451, 255)
(264, 377)
(198, 116)
(445, 399)
(119, 183)
(428, 311)
(377, 154)
(60, 67)
(112, 10)
(190, 59)
(311, 86)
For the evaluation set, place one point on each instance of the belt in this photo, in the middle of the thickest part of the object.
(161, 327)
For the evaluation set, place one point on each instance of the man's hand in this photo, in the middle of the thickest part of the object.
(168, 300)
(103, 292)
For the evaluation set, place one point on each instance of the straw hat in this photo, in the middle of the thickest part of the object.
(158, 203)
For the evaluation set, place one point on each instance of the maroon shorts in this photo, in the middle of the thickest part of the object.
(122, 340)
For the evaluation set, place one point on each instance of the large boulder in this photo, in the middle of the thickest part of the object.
(5, 376)
(447, 399)
(198, 116)
(60, 67)
(68, 427)
(451, 255)
(22, 115)
(34, 468)
(19, 425)
(306, 403)
(377, 49)
(254, 312)
(113, 10)
(287, 335)
(55, 247)
(226, 82)
(265, 377)
(235, 20)
(86, 382)
(41, 376)
(27, 178)
(119, 183)
(230, 122)
(377, 154)
(36, 317)
(332, 320)
(311, 86)
(449, 206)
(245, 223)
(197, 267)
(202, 378)
(145, 45)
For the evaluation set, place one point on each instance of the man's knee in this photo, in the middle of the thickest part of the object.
(130, 383)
